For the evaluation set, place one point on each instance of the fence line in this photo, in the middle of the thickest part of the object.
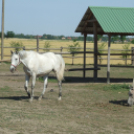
(81, 52)
(73, 56)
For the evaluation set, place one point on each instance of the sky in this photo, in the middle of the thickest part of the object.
(55, 17)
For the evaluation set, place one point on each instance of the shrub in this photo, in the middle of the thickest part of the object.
(132, 41)
(74, 47)
(101, 46)
(125, 52)
(46, 46)
(17, 45)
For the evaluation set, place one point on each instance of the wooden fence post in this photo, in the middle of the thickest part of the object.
(37, 43)
(84, 56)
(61, 48)
(132, 57)
(108, 60)
(2, 31)
(73, 59)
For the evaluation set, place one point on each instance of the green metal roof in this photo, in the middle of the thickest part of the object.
(110, 20)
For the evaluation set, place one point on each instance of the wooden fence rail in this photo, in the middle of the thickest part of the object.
(72, 55)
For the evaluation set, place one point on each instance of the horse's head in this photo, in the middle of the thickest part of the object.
(15, 61)
(131, 96)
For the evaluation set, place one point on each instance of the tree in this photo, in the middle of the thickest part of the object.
(100, 47)
(114, 38)
(99, 37)
(10, 34)
(47, 46)
(132, 41)
(125, 52)
(17, 45)
(74, 46)
(123, 38)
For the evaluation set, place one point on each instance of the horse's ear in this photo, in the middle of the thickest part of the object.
(16, 52)
(11, 52)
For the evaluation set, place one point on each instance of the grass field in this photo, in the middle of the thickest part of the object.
(85, 108)
(31, 43)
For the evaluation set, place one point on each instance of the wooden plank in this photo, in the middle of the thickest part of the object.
(37, 43)
(93, 20)
(81, 69)
(2, 31)
(95, 50)
(121, 66)
(84, 55)
(108, 60)
(5, 60)
(83, 29)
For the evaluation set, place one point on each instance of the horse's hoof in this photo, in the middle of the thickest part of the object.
(39, 99)
(31, 99)
(59, 98)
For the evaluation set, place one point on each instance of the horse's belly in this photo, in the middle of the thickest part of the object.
(39, 71)
(43, 72)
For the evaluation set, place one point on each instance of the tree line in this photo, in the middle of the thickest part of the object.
(11, 34)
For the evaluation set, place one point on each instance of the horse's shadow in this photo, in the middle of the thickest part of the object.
(18, 98)
(119, 102)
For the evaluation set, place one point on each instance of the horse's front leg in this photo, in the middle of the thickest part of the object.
(27, 77)
(32, 86)
(60, 90)
(45, 86)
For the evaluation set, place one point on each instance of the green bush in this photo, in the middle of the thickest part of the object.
(101, 46)
(16, 45)
(132, 41)
(46, 46)
(126, 47)
(74, 47)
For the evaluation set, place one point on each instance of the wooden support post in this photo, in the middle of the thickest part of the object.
(61, 48)
(95, 50)
(2, 30)
(84, 55)
(133, 83)
(73, 59)
(132, 57)
(108, 60)
(37, 43)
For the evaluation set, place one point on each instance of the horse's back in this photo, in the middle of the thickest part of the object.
(43, 63)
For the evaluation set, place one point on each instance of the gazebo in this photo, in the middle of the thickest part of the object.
(105, 20)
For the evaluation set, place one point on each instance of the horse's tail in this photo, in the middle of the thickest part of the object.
(60, 73)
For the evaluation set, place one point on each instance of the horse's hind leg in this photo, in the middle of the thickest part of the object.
(45, 86)
(27, 77)
(60, 90)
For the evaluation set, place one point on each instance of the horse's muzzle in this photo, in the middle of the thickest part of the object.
(12, 69)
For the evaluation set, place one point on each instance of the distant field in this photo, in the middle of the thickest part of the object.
(31, 43)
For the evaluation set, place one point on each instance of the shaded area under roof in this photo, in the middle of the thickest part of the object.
(110, 20)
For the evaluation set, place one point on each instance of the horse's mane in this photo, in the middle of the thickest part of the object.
(22, 54)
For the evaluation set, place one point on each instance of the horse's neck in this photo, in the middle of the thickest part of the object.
(23, 55)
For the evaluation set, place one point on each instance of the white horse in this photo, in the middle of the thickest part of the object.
(36, 64)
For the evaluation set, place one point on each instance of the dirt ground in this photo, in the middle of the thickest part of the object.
(85, 108)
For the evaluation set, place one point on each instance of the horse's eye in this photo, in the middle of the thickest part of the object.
(16, 59)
